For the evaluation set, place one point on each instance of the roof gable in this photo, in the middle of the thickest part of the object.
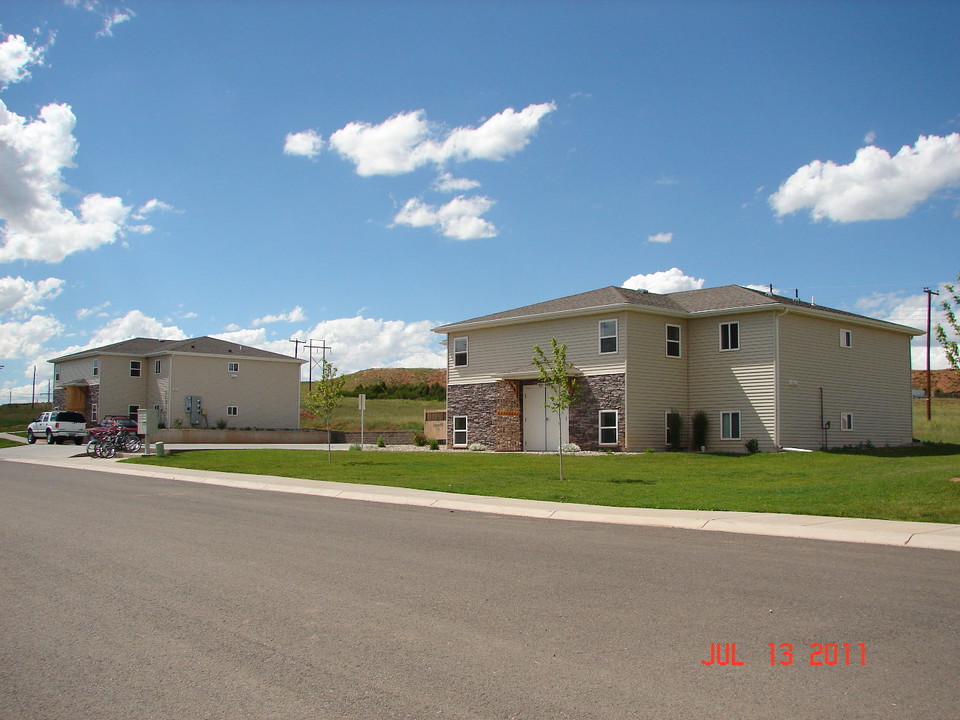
(687, 303)
(203, 345)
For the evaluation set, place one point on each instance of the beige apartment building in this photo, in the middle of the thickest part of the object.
(200, 382)
(783, 372)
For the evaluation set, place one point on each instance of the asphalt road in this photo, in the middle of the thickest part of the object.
(134, 598)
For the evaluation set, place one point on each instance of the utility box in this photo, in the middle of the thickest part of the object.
(146, 421)
(192, 405)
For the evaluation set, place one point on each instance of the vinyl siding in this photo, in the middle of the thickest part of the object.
(118, 391)
(266, 392)
(871, 380)
(655, 384)
(494, 352)
(735, 380)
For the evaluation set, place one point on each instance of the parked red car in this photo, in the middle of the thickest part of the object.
(114, 422)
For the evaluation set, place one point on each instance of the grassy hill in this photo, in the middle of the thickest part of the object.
(941, 381)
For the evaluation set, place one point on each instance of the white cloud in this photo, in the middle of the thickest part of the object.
(37, 225)
(660, 238)
(664, 281)
(295, 315)
(446, 182)
(407, 141)
(875, 186)
(134, 324)
(16, 56)
(26, 339)
(306, 143)
(115, 17)
(356, 343)
(20, 296)
(870, 137)
(459, 219)
(84, 313)
(911, 310)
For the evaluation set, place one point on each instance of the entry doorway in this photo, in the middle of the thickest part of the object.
(543, 429)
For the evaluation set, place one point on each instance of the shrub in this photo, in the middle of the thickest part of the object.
(356, 447)
(477, 447)
(419, 438)
(570, 447)
(434, 444)
(752, 445)
(381, 443)
(700, 423)
(221, 424)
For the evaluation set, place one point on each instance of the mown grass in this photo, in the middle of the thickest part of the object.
(379, 415)
(17, 416)
(892, 484)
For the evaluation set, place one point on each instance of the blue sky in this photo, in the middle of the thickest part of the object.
(361, 172)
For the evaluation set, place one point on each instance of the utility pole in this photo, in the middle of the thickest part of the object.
(930, 293)
(311, 347)
(296, 346)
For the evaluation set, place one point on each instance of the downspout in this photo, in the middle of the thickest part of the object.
(776, 379)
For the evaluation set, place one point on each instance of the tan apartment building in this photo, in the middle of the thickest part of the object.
(762, 367)
(200, 382)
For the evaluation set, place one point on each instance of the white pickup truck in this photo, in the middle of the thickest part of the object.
(57, 426)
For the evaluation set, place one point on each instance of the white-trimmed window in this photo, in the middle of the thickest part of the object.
(673, 341)
(233, 367)
(56, 373)
(730, 425)
(232, 410)
(460, 431)
(133, 411)
(846, 338)
(460, 354)
(846, 421)
(135, 368)
(730, 336)
(156, 367)
(608, 337)
(608, 427)
(96, 367)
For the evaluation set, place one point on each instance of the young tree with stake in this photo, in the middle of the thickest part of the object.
(325, 398)
(555, 373)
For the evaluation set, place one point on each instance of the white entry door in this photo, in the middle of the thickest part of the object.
(543, 430)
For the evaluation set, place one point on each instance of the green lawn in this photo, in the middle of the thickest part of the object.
(944, 425)
(893, 484)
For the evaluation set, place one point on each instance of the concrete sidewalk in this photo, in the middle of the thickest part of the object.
(936, 536)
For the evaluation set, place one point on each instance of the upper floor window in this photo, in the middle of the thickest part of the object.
(156, 367)
(96, 366)
(233, 367)
(673, 341)
(730, 336)
(135, 368)
(608, 336)
(846, 338)
(460, 352)
(56, 373)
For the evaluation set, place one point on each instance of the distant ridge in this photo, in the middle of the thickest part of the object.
(944, 381)
(396, 376)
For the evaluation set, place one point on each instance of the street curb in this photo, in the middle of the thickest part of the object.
(929, 536)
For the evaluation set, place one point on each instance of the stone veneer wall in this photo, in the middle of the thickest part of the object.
(597, 392)
(479, 403)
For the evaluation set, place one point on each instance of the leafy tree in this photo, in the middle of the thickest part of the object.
(555, 374)
(325, 398)
(949, 305)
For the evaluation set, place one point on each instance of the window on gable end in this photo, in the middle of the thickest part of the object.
(846, 338)
(135, 368)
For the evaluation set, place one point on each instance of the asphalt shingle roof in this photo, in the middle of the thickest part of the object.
(204, 345)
